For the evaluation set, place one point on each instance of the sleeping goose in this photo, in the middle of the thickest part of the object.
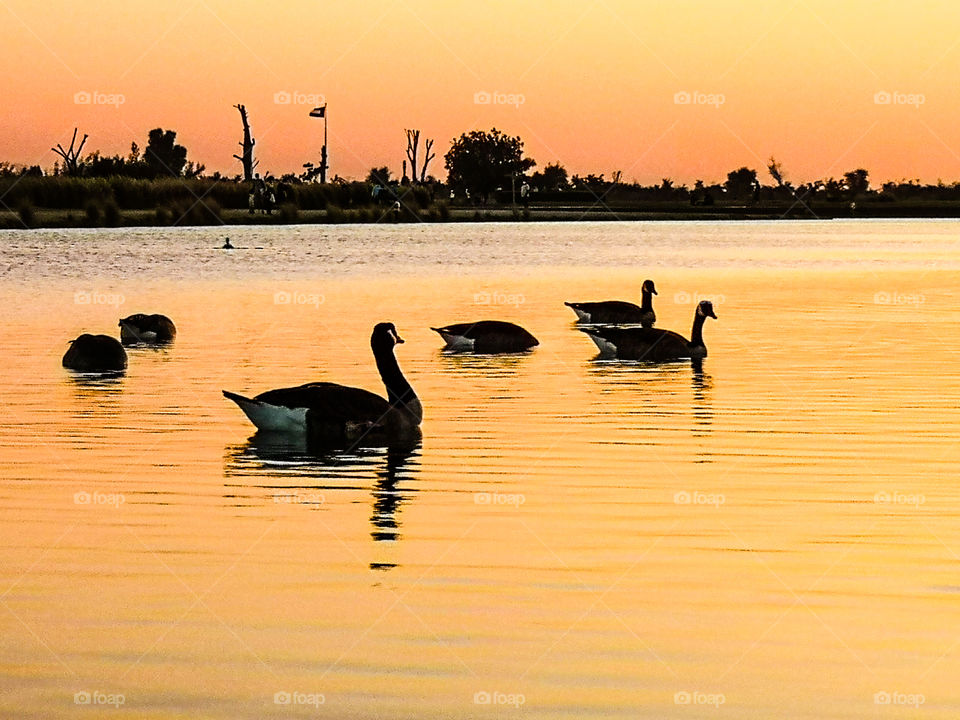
(616, 312)
(328, 411)
(95, 354)
(651, 344)
(486, 337)
(142, 328)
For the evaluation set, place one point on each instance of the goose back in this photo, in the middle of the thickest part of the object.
(95, 353)
(487, 336)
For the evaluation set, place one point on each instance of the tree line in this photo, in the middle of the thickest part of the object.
(481, 167)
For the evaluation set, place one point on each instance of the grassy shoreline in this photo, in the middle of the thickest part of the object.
(59, 218)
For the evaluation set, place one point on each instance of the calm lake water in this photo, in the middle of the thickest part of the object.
(777, 535)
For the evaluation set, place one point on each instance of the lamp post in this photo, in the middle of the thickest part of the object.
(321, 112)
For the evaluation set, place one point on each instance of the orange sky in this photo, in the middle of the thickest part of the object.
(598, 80)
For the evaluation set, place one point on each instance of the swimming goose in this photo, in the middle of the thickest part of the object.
(142, 328)
(328, 411)
(486, 337)
(616, 312)
(95, 353)
(651, 344)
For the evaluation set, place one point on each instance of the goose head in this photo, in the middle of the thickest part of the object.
(384, 337)
(648, 287)
(705, 309)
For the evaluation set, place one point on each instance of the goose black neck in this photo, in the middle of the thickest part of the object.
(399, 391)
(696, 335)
(647, 303)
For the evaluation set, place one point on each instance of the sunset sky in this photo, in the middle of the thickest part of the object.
(598, 86)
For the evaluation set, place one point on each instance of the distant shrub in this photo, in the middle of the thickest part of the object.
(289, 213)
(93, 213)
(27, 214)
(336, 215)
(162, 216)
(111, 213)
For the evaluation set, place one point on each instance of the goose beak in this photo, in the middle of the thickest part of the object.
(713, 315)
(399, 340)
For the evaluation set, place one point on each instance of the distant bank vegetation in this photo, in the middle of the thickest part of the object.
(488, 176)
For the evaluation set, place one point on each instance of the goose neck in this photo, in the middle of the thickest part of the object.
(646, 304)
(696, 335)
(399, 391)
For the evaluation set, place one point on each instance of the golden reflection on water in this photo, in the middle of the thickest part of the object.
(776, 528)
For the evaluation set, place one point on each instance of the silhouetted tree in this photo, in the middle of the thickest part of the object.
(379, 176)
(776, 171)
(246, 159)
(741, 183)
(163, 155)
(857, 182)
(479, 162)
(71, 156)
(553, 177)
(428, 155)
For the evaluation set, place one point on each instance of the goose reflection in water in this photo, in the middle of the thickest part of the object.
(279, 456)
(702, 383)
(471, 365)
(658, 381)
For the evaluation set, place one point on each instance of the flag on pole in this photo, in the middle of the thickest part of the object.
(319, 112)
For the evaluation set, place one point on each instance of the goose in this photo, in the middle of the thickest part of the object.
(142, 328)
(651, 344)
(328, 411)
(95, 353)
(486, 337)
(616, 312)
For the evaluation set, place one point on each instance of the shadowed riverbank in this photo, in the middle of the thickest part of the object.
(597, 211)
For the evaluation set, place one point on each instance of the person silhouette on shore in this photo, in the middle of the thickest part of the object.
(227, 245)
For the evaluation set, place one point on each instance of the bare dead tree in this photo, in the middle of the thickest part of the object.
(776, 171)
(413, 146)
(428, 156)
(248, 142)
(71, 156)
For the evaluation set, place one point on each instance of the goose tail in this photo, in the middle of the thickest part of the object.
(607, 349)
(270, 418)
